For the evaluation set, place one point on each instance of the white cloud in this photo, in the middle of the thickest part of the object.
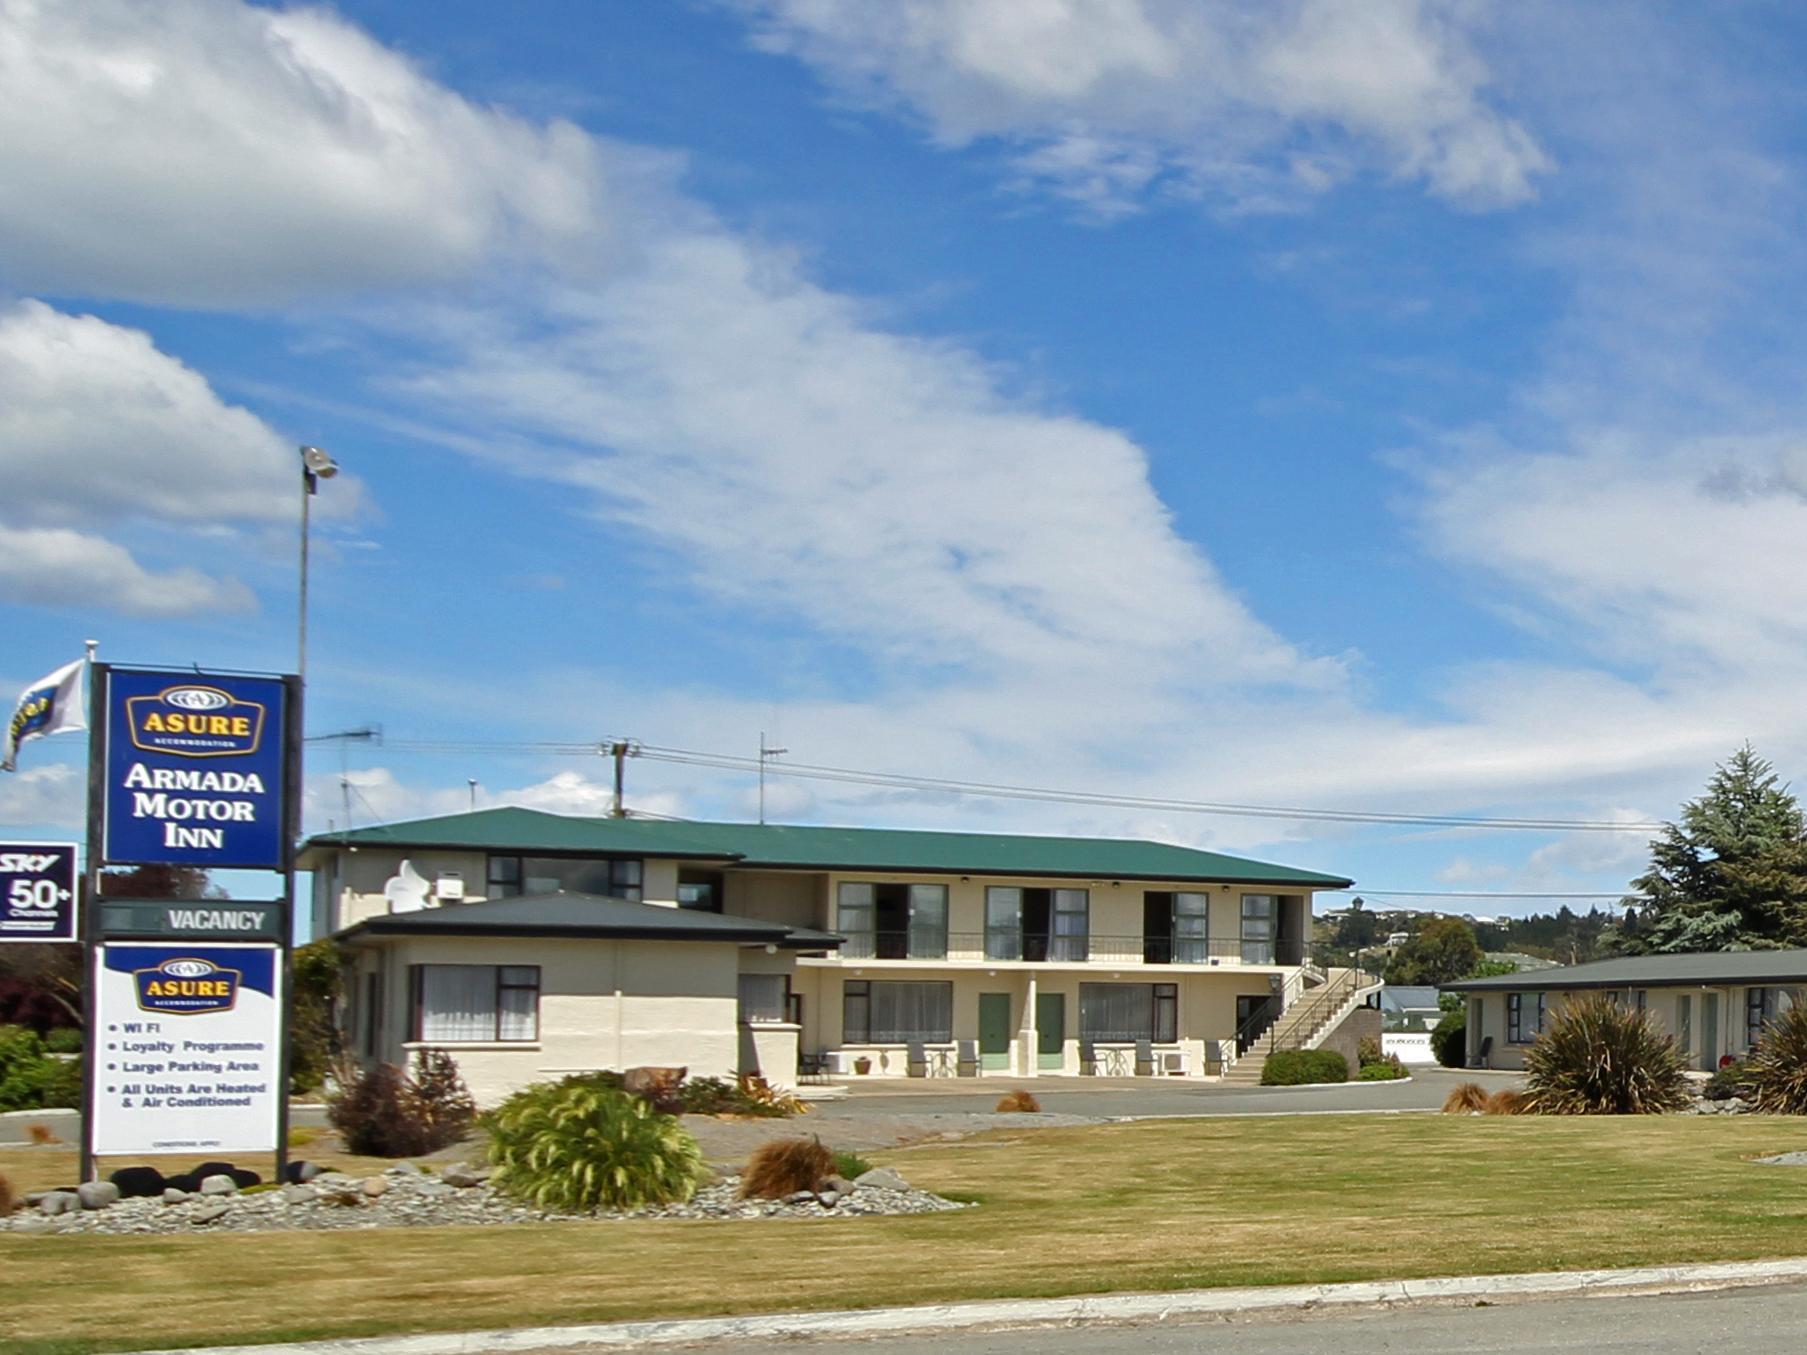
(203, 152)
(56, 567)
(377, 795)
(54, 795)
(796, 459)
(100, 432)
(97, 424)
(1104, 99)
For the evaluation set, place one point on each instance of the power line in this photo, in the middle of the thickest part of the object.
(1487, 893)
(999, 790)
(944, 785)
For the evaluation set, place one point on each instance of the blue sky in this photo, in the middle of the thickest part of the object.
(1380, 406)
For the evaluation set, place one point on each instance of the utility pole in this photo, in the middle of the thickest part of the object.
(619, 752)
(765, 752)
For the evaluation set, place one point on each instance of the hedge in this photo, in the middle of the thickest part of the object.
(1297, 1067)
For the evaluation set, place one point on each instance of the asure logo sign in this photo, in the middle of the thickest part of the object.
(195, 721)
(186, 987)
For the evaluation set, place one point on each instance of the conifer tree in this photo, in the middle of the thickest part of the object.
(1732, 874)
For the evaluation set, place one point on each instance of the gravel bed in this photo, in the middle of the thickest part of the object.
(405, 1197)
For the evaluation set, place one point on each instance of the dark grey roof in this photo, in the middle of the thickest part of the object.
(562, 913)
(1693, 969)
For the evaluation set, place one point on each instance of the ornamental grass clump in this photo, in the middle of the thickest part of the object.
(1775, 1072)
(1017, 1100)
(1599, 1056)
(784, 1167)
(1465, 1098)
(573, 1148)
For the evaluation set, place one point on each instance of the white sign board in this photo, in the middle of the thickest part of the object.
(187, 1048)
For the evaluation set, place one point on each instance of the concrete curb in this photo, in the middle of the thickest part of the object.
(952, 1317)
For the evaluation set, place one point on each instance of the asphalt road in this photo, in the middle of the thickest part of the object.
(1757, 1320)
(1107, 1098)
(1084, 1098)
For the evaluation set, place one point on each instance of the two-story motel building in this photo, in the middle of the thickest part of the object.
(531, 944)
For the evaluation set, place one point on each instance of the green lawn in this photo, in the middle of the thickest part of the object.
(1157, 1205)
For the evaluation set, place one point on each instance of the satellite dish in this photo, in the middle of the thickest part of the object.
(407, 890)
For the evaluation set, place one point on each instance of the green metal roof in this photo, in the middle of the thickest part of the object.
(1694, 969)
(565, 913)
(784, 845)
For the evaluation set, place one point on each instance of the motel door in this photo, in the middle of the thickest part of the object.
(1050, 1030)
(1709, 1031)
(994, 1032)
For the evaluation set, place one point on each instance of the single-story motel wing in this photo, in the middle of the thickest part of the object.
(531, 945)
(1713, 1003)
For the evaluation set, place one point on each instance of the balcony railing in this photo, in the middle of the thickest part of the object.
(1012, 945)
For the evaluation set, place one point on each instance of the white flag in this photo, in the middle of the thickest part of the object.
(51, 705)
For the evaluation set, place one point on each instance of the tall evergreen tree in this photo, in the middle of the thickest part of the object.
(1732, 874)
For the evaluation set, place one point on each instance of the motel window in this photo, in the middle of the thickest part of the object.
(1524, 1017)
(1127, 1013)
(512, 875)
(475, 1002)
(1260, 914)
(373, 1014)
(765, 999)
(1763, 1005)
(879, 1012)
(892, 921)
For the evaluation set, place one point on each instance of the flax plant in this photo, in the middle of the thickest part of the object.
(1776, 1070)
(1599, 1056)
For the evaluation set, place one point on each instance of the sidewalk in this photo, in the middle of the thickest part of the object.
(1010, 1313)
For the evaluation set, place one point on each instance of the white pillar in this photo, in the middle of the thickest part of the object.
(1028, 1040)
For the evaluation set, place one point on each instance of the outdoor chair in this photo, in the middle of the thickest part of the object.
(917, 1059)
(966, 1062)
(1145, 1058)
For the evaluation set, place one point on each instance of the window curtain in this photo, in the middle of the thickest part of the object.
(854, 904)
(928, 922)
(457, 1002)
(1069, 941)
(1003, 922)
(903, 1013)
(762, 998)
(1116, 1013)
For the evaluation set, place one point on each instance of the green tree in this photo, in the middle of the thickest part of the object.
(1731, 875)
(1441, 951)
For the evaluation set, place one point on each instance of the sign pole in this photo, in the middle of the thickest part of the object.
(90, 907)
(293, 727)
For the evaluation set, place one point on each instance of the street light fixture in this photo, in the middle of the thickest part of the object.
(316, 465)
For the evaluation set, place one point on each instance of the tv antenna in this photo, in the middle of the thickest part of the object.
(766, 753)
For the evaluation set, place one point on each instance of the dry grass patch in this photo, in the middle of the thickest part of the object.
(1331, 1200)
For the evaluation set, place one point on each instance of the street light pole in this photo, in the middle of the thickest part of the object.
(316, 466)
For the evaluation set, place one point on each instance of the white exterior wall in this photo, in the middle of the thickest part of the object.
(1663, 1004)
(351, 889)
(603, 1004)
(1206, 1008)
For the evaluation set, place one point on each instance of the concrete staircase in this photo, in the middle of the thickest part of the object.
(1315, 1013)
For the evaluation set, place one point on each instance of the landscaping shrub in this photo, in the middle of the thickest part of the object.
(751, 1095)
(658, 1086)
(574, 1146)
(8, 1199)
(1383, 1071)
(1726, 1082)
(1776, 1070)
(314, 1045)
(850, 1165)
(1018, 1100)
(1506, 1101)
(1449, 1039)
(1465, 1098)
(41, 1134)
(384, 1112)
(1297, 1067)
(784, 1167)
(30, 1078)
(1598, 1056)
(63, 1040)
(1367, 1051)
